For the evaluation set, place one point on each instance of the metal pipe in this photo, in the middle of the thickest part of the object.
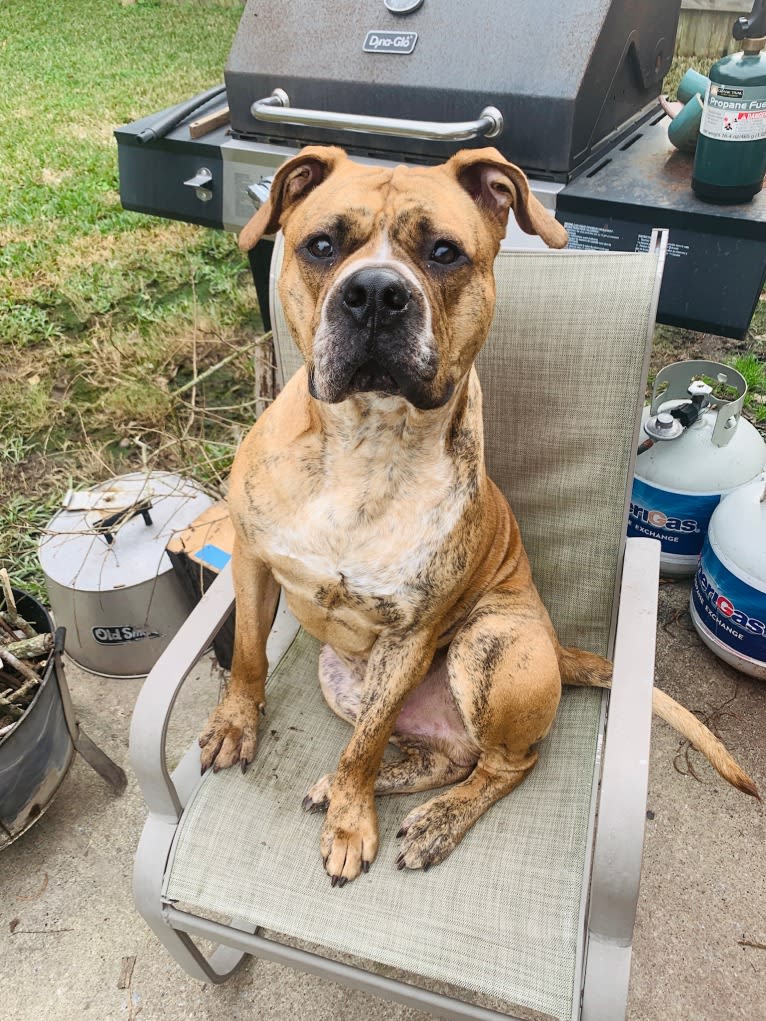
(276, 109)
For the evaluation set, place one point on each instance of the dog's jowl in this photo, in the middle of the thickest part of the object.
(362, 493)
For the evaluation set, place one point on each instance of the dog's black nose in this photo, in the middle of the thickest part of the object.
(375, 293)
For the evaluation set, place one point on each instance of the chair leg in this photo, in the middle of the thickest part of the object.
(151, 858)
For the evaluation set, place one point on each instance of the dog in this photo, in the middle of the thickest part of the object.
(362, 493)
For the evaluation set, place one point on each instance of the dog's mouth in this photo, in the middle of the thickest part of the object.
(372, 377)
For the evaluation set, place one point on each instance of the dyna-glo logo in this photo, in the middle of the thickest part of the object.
(726, 607)
(658, 519)
(390, 42)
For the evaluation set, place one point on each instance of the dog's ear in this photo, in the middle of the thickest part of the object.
(292, 182)
(498, 186)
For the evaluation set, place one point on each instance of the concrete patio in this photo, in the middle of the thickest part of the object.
(68, 920)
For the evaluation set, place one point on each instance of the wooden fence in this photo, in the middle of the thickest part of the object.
(704, 29)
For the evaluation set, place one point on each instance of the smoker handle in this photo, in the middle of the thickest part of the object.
(276, 108)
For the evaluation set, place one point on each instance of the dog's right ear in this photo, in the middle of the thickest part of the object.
(292, 183)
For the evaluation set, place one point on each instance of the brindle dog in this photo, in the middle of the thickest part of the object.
(362, 493)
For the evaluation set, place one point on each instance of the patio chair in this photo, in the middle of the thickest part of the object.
(532, 915)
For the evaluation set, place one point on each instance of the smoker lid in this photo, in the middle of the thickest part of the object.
(77, 556)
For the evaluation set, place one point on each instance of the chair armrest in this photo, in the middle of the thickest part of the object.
(625, 774)
(149, 725)
(619, 838)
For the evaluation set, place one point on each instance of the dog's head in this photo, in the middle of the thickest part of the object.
(387, 281)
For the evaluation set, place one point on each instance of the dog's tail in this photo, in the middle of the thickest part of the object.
(586, 670)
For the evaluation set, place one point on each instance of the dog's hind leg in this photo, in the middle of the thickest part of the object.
(422, 768)
(434, 829)
(428, 731)
(504, 677)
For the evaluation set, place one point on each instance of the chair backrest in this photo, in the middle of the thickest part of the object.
(563, 374)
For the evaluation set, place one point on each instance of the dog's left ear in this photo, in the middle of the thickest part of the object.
(497, 186)
(292, 182)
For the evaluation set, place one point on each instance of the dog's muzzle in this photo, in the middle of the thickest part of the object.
(375, 337)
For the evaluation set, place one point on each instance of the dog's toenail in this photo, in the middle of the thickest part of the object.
(334, 881)
(365, 866)
(342, 882)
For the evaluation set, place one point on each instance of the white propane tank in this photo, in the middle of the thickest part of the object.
(700, 448)
(728, 598)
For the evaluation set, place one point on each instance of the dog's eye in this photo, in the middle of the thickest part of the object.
(320, 247)
(445, 253)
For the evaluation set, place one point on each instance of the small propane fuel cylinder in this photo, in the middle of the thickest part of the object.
(698, 448)
(730, 160)
(728, 597)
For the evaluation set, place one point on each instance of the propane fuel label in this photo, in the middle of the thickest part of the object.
(678, 520)
(734, 113)
(732, 611)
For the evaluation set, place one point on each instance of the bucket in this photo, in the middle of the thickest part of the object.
(37, 751)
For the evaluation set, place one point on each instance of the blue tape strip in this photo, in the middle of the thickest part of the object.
(214, 556)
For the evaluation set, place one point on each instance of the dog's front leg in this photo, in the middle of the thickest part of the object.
(230, 734)
(349, 841)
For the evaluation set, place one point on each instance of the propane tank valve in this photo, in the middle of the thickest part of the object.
(664, 426)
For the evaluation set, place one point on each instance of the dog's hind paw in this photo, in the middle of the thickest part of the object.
(318, 797)
(428, 835)
(230, 737)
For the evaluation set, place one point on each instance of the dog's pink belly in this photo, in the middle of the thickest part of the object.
(428, 716)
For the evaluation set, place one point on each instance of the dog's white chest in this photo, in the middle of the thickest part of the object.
(365, 538)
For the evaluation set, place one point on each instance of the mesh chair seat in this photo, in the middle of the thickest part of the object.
(502, 915)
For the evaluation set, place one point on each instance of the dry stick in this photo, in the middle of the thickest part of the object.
(14, 711)
(10, 602)
(206, 373)
(10, 660)
(12, 614)
(10, 634)
(18, 625)
(31, 648)
(24, 690)
(10, 679)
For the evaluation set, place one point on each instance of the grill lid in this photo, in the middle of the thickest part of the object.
(564, 77)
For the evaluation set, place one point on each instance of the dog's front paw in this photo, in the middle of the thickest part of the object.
(349, 841)
(230, 736)
(318, 797)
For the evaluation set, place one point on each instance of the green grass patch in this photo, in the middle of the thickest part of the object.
(105, 313)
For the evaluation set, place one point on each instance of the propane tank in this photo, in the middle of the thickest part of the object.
(698, 448)
(730, 160)
(728, 597)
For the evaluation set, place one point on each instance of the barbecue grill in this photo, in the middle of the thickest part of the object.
(568, 92)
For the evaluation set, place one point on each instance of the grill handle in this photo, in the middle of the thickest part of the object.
(276, 108)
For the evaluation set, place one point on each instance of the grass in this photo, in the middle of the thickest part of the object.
(106, 315)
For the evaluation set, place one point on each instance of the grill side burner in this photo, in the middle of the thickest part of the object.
(565, 77)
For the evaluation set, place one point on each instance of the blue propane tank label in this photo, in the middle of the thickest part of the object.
(730, 609)
(679, 520)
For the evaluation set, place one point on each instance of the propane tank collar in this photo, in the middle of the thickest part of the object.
(753, 45)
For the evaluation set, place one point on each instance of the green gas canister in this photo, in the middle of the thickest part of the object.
(730, 161)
